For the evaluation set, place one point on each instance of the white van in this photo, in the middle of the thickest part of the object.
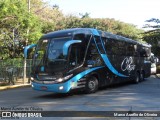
(154, 61)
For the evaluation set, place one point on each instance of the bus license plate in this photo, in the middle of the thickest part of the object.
(44, 88)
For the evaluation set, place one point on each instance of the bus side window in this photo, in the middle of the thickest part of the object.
(93, 58)
(93, 50)
(108, 46)
(130, 49)
(76, 55)
(114, 47)
(121, 48)
(78, 51)
(145, 52)
(136, 54)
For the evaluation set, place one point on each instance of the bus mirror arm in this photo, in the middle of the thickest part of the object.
(68, 44)
(27, 48)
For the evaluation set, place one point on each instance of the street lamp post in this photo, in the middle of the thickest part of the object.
(25, 59)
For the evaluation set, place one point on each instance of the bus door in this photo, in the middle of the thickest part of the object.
(76, 56)
(94, 58)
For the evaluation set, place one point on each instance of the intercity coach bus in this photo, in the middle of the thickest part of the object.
(86, 59)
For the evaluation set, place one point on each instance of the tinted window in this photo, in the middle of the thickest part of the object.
(99, 44)
(121, 48)
(130, 49)
(114, 47)
(76, 56)
(108, 46)
(55, 50)
(145, 52)
(93, 57)
(40, 51)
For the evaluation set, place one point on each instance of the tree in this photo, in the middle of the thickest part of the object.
(86, 15)
(152, 36)
(14, 22)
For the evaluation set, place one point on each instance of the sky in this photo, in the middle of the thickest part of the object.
(129, 11)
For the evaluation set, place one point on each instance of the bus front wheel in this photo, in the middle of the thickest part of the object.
(91, 85)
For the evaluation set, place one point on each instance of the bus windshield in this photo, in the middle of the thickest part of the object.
(55, 50)
(50, 50)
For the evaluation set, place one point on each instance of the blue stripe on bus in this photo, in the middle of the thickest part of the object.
(109, 65)
(107, 62)
(82, 74)
(105, 57)
(66, 85)
(94, 32)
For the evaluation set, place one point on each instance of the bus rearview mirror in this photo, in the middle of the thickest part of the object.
(68, 44)
(27, 48)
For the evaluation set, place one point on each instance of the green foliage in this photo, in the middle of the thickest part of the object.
(18, 25)
(16, 62)
(110, 25)
(153, 36)
(15, 21)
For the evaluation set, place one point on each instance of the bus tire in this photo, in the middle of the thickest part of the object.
(137, 78)
(142, 76)
(91, 85)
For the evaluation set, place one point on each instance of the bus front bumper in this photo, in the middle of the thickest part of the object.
(56, 88)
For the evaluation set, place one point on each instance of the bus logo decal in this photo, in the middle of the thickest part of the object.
(127, 64)
(109, 65)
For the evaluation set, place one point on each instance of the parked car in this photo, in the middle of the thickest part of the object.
(154, 61)
(153, 68)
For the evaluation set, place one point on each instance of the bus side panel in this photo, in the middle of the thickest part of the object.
(147, 69)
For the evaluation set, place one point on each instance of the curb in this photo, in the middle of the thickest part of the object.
(14, 86)
(158, 75)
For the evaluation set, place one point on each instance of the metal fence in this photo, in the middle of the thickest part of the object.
(13, 70)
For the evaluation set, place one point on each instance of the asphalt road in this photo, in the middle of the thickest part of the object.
(144, 96)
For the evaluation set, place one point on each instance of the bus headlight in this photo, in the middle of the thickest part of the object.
(32, 78)
(59, 80)
(65, 78)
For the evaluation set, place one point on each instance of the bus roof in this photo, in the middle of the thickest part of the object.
(72, 31)
(66, 32)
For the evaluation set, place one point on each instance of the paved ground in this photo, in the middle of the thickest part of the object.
(158, 75)
(128, 97)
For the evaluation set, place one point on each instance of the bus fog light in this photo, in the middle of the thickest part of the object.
(61, 88)
(32, 86)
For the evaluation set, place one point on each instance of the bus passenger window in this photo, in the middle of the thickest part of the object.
(76, 55)
(93, 57)
(108, 46)
(114, 47)
(121, 48)
(99, 44)
(130, 50)
(145, 52)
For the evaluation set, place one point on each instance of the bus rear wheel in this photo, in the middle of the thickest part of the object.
(137, 78)
(142, 76)
(91, 85)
